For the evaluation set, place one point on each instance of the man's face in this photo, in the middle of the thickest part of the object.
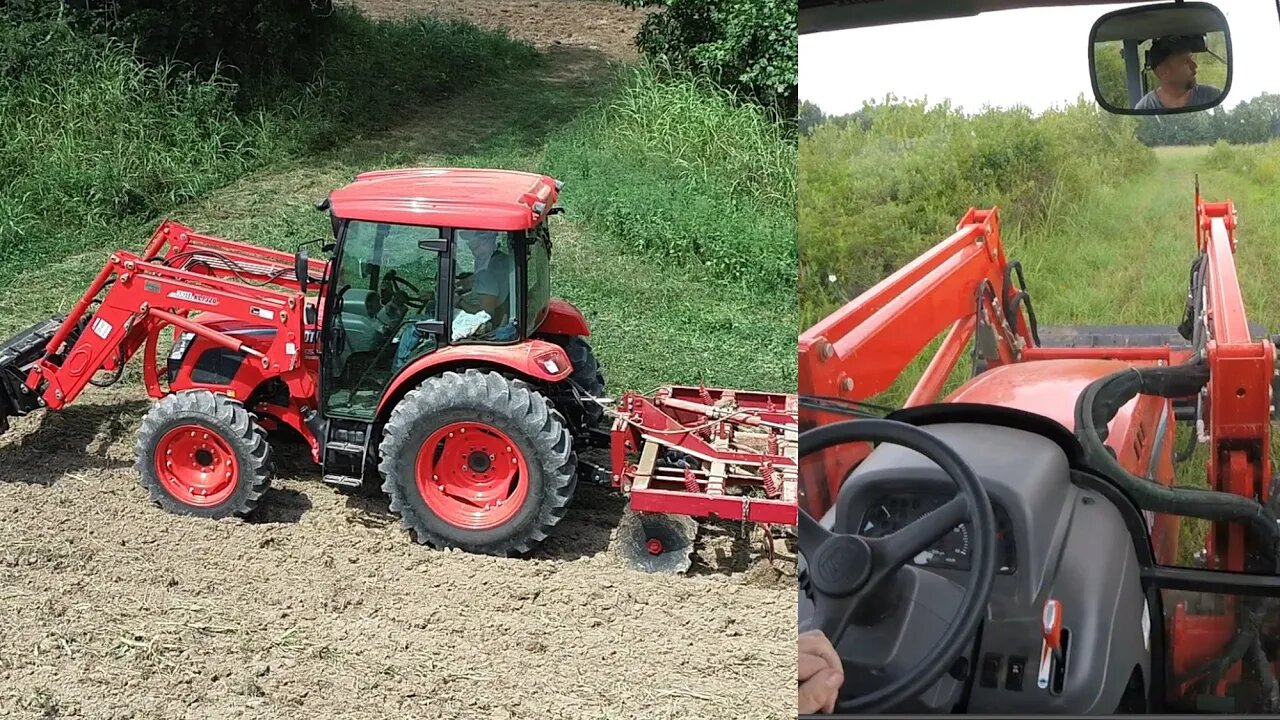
(1178, 70)
(482, 245)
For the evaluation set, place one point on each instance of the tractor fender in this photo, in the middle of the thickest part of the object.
(564, 319)
(533, 360)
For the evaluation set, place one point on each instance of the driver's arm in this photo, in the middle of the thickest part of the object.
(820, 673)
(476, 298)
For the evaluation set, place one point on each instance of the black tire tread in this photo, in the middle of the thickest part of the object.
(231, 420)
(587, 373)
(511, 398)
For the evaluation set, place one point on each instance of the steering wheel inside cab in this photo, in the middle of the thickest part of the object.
(900, 631)
(393, 291)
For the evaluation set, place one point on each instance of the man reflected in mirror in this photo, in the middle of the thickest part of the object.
(1172, 61)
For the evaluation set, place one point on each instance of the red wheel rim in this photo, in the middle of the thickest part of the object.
(196, 466)
(472, 475)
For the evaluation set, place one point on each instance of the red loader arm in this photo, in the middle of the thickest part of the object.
(146, 293)
(859, 350)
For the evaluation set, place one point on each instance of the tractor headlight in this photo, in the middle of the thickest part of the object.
(181, 347)
(551, 363)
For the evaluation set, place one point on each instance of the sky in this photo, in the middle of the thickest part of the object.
(1034, 57)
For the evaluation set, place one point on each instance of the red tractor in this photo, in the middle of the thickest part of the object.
(433, 361)
(1015, 541)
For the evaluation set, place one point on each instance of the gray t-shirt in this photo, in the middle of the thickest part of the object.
(1200, 95)
(495, 278)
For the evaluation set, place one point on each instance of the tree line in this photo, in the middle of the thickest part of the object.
(1256, 120)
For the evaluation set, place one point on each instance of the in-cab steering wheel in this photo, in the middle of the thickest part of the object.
(849, 575)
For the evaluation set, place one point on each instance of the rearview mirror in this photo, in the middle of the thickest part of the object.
(1160, 59)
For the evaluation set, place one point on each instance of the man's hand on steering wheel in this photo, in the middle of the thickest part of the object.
(820, 673)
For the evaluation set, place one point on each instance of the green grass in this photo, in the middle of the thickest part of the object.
(893, 180)
(675, 170)
(97, 143)
(657, 317)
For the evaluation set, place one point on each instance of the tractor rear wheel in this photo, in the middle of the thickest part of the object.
(479, 462)
(203, 454)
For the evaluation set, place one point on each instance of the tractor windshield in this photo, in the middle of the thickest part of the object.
(387, 281)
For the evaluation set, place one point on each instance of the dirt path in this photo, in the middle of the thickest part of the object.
(605, 27)
(321, 606)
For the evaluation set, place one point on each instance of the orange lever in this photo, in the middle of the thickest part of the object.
(1051, 624)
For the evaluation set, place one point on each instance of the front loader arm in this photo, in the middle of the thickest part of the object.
(143, 297)
(958, 286)
(226, 259)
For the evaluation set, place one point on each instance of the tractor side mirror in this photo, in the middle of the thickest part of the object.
(1160, 59)
(430, 328)
(302, 269)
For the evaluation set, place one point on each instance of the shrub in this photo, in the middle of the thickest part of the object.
(747, 46)
(244, 39)
(883, 185)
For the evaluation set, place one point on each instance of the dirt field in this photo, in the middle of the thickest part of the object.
(322, 607)
(606, 27)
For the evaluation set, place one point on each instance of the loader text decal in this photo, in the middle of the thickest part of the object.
(192, 297)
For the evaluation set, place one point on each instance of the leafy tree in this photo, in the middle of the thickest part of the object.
(747, 46)
(810, 117)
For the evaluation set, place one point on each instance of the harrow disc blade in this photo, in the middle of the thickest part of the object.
(656, 543)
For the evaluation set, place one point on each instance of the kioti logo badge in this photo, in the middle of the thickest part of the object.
(192, 297)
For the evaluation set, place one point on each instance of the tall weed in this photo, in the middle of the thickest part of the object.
(677, 170)
(885, 184)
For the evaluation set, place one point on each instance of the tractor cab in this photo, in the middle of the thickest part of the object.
(427, 260)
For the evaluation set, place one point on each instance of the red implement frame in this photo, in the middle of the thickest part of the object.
(742, 447)
(859, 350)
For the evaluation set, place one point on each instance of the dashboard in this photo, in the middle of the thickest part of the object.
(890, 512)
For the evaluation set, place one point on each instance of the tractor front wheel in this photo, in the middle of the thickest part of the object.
(203, 454)
(479, 462)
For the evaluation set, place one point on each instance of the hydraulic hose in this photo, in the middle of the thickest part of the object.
(1099, 404)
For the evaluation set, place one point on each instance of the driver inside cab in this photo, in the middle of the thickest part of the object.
(488, 290)
(1173, 62)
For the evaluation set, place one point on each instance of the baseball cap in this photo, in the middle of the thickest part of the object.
(1162, 48)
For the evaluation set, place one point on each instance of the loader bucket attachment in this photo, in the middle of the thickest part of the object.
(17, 356)
(1112, 336)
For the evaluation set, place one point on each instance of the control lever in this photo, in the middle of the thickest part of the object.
(1051, 649)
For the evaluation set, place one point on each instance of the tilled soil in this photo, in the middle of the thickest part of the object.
(320, 606)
